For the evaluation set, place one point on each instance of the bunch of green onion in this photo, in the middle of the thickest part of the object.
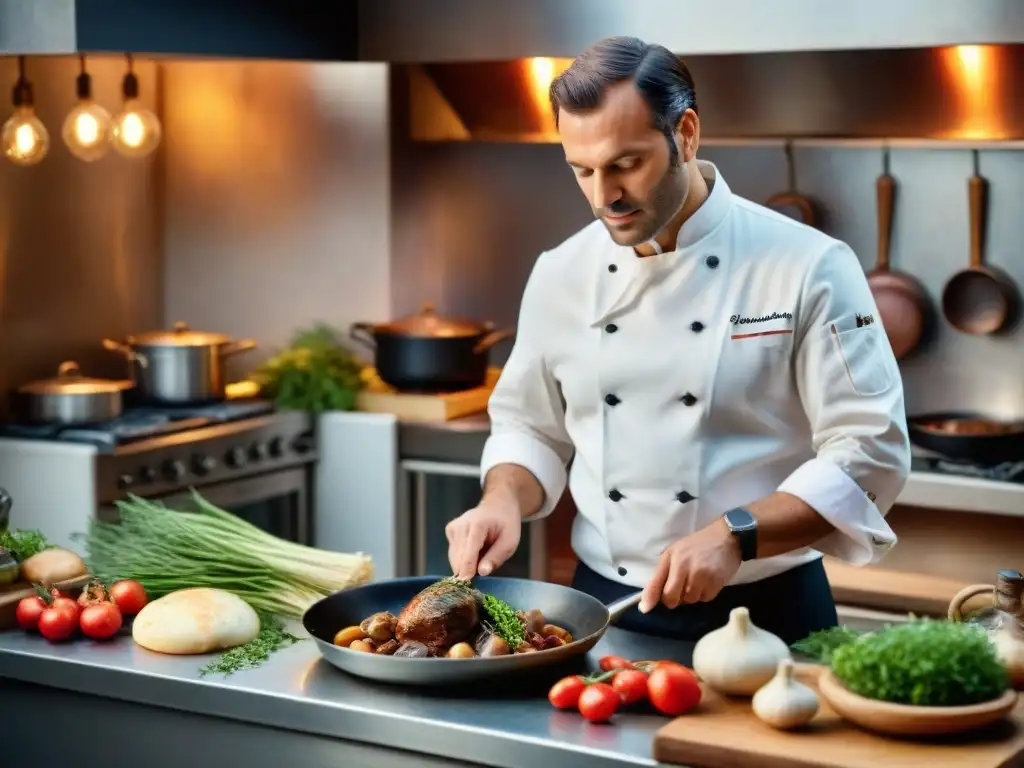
(168, 550)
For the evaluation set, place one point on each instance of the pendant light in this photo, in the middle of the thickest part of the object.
(24, 138)
(86, 126)
(135, 131)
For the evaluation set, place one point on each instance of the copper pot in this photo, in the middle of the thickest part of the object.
(428, 352)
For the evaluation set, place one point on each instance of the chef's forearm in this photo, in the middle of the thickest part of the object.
(516, 485)
(786, 523)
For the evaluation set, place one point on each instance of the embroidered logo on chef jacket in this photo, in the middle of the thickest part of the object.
(750, 327)
(863, 320)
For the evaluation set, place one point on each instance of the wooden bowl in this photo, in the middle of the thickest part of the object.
(908, 720)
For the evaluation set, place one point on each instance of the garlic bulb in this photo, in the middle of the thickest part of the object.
(738, 658)
(784, 702)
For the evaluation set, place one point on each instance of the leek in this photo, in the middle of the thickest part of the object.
(167, 550)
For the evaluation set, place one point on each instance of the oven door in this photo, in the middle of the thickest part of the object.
(277, 503)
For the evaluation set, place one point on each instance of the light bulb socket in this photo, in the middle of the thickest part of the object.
(83, 86)
(130, 86)
(22, 94)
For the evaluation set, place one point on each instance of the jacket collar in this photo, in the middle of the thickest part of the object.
(618, 289)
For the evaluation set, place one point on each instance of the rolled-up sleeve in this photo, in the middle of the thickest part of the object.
(852, 392)
(526, 408)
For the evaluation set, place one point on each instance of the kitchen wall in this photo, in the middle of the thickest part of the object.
(80, 254)
(470, 219)
(277, 206)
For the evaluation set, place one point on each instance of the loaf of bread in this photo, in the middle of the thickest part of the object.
(195, 621)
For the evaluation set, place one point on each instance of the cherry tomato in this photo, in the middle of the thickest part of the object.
(54, 592)
(565, 694)
(66, 605)
(94, 592)
(100, 621)
(129, 596)
(631, 685)
(28, 612)
(599, 702)
(608, 663)
(673, 689)
(56, 624)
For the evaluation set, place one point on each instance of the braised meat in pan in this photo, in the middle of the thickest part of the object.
(452, 619)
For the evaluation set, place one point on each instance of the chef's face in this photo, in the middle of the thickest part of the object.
(623, 164)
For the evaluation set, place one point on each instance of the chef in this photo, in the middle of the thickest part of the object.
(716, 374)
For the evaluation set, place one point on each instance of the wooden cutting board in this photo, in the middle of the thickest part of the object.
(408, 406)
(724, 733)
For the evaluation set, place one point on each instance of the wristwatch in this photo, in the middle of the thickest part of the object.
(743, 525)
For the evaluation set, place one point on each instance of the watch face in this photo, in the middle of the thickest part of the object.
(740, 520)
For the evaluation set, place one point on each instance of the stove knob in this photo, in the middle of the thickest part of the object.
(303, 444)
(125, 481)
(236, 457)
(276, 447)
(147, 474)
(203, 465)
(257, 451)
(174, 470)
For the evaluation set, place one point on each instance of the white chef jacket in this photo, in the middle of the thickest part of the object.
(749, 360)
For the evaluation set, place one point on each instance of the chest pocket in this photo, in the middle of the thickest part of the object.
(756, 366)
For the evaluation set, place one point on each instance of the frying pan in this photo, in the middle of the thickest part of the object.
(790, 202)
(586, 617)
(968, 436)
(901, 300)
(979, 300)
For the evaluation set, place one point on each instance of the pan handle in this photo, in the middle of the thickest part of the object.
(620, 606)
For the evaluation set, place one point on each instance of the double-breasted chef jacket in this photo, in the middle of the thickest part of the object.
(749, 360)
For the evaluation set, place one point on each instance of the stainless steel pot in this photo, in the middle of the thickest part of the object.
(180, 365)
(70, 398)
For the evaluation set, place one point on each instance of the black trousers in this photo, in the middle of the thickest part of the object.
(790, 605)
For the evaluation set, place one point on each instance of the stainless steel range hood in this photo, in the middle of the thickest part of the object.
(500, 30)
(270, 29)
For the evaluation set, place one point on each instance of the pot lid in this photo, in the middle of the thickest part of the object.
(179, 336)
(70, 381)
(427, 323)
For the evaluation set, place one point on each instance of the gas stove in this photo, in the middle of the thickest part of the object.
(142, 423)
(927, 461)
(241, 455)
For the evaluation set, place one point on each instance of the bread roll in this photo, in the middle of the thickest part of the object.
(195, 621)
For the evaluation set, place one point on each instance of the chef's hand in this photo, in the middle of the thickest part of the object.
(694, 569)
(483, 538)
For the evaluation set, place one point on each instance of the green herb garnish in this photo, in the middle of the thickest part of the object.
(316, 373)
(272, 637)
(822, 644)
(507, 625)
(925, 663)
(23, 544)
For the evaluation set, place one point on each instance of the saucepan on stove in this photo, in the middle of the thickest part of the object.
(70, 398)
(427, 352)
(969, 436)
(448, 617)
(180, 365)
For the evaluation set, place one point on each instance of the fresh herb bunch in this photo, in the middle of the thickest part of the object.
(272, 637)
(925, 663)
(315, 373)
(507, 624)
(822, 644)
(23, 544)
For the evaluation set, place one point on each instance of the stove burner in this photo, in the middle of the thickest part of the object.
(1007, 472)
(142, 423)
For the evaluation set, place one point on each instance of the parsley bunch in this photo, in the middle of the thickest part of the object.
(925, 663)
(507, 625)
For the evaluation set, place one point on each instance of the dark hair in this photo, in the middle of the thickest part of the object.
(662, 78)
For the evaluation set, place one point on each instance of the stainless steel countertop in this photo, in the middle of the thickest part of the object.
(297, 691)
